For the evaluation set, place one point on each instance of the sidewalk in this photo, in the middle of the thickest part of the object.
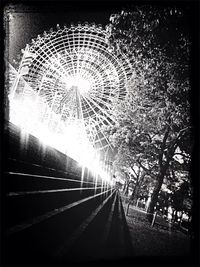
(157, 240)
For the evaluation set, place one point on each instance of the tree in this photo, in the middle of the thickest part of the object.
(153, 121)
(163, 201)
(181, 194)
(125, 162)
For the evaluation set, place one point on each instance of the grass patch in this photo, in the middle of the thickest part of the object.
(159, 240)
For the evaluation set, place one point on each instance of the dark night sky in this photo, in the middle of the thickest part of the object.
(27, 21)
(31, 18)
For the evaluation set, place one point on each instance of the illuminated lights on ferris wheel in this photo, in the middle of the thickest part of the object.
(69, 77)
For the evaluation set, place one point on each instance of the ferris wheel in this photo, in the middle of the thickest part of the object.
(78, 75)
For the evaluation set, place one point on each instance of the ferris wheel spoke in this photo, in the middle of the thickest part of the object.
(105, 112)
(96, 136)
(105, 105)
(101, 100)
(92, 108)
(78, 78)
(98, 116)
(56, 61)
(71, 52)
(103, 95)
(102, 120)
(44, 49)
(96, 125)
(47, 60)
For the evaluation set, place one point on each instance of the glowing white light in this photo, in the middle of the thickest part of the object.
(78, 82)
(178, 157)
(72, 140)
(69, 98)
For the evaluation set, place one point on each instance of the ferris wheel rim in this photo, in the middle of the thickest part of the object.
(97, 100)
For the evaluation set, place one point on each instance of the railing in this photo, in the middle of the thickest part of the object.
(52, 214)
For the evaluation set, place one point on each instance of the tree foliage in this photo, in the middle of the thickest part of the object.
(153, 123)
(182, 196)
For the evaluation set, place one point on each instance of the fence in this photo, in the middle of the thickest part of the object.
(52, 212)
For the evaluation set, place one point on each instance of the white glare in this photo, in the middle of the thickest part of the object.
(78, 82)
(70, 139)
(63, 92)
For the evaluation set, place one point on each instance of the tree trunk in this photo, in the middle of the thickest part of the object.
(176, 217)
(162, 171)
(135, 192)
(126, 189)
(154, 196)
(180, 219)
(136, 189)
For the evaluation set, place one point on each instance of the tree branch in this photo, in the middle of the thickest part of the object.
(134, 172)
(174, 144)
(186, 156)
(160, 157)
(144, 168)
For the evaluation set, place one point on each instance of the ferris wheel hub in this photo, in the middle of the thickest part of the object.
(70, 75)
(78, 82)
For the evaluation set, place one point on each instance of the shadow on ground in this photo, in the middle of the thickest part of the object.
(159, 240)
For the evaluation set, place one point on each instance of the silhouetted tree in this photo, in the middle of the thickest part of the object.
(153, 121)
